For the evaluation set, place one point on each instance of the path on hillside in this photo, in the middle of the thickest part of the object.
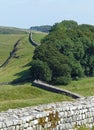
(12, 54)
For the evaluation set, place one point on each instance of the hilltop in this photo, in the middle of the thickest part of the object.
(12, 30)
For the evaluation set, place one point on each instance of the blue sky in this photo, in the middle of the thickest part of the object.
(27, 13)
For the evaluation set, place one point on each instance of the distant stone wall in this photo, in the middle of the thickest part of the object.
(55, 116)
(32, 41)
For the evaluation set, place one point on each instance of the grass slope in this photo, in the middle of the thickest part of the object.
(26, 95)
(22, 95)
(83, 86)
(37, 36)
(6, 44)
(12, 30)
(17, 66)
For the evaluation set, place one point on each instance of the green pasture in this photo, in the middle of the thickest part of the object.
(6, 44)
(84, 86)
(37, 36)
(24, 94)
(18, 66)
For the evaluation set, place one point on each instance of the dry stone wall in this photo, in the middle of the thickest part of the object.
(41, 84)
(54, 116)
(12, 54)
(32, 41)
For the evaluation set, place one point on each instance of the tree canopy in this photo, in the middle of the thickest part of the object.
(67, 51)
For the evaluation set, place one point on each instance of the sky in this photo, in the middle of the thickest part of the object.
(27, 13)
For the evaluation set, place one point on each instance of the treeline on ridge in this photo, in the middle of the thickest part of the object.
(65, 54)
(44, 28)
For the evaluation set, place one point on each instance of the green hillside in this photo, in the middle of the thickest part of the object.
(12, 30)
(37, 36)
(84, 86)
(22, 93)
(17, 65)
(6, 44)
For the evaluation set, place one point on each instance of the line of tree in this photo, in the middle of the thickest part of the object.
(65, 54)
(43, 28)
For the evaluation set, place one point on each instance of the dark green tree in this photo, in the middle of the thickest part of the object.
(40, 70)
(68, 51)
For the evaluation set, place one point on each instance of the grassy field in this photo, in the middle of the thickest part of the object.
(38, 36)
(12, 30)
(17, 66)
(83, 86)
(6, 44)
(24, 94)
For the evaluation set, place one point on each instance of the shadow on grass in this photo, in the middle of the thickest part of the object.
(27, 65)
(23, 77)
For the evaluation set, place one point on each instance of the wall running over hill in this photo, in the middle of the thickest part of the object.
(41, 84)
(55, 116)
(12, 54)
(31, 40)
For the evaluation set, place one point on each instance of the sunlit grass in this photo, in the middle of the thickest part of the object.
(6, 44)
(37, 37)
(22, 95)
(26, 95)
(83, 86)
(18, 65)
